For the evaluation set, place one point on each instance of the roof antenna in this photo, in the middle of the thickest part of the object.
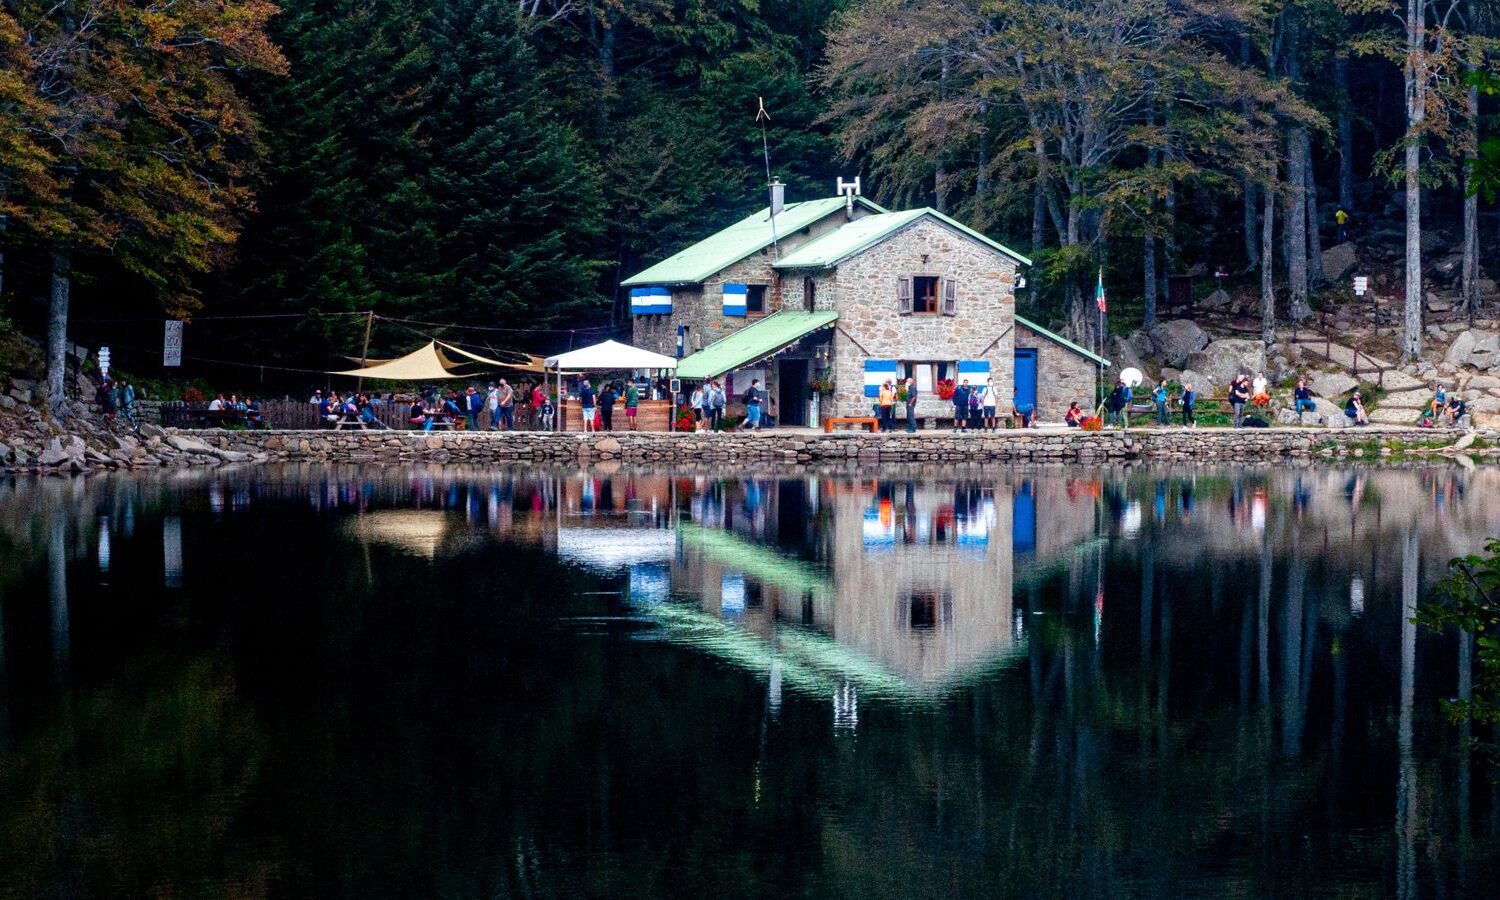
(850, 190)
(778, 190)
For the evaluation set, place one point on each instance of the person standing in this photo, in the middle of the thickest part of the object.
(473, 403)
(1341, 218)
(911, 405)
(507, 402)
(607, 398)
(961, 406)
(1189, 399)
(752, 406)
(716, 403)
(586, 403)
(1239, 392)
(887, 404)
(696, 404)
(1159, 397)
(492, 405)
(632, 401)
(988, 405)
(127, 403)
(1116, 402)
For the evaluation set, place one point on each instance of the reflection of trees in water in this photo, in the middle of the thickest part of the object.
(136, 788)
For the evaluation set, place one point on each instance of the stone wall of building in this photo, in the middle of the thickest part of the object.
(700, 307)
(1062, 376)
(864, 291)
(771, 447)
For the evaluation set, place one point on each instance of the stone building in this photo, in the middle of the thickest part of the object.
(841, 289)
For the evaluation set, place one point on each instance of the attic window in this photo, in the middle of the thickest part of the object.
(924, 294)
(755, 300)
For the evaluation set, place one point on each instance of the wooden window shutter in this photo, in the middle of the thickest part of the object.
(950, 297)
(903, 296)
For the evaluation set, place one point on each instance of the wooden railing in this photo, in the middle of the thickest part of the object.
(294, 415)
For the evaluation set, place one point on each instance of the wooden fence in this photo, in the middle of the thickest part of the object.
(294, 414)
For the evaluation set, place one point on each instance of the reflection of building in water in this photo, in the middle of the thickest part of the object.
(913, 579)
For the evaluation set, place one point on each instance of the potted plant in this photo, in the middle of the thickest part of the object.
(823, 384)
(945, 388)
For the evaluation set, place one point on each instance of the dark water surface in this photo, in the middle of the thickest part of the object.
(435, 682)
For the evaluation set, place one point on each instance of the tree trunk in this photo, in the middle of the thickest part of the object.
(1296, 225)
(1471, 200)
(4, 224)
(1148, 267)
(1314, 239)
(1415, 72)
(1169, 242)
(1345, 132)
(1252, 226)
(57, 334)
(1267, 264)
(1038, 224)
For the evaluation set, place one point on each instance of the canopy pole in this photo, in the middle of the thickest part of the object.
(364, 356)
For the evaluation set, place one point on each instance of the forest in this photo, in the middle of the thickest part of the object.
(488, 170)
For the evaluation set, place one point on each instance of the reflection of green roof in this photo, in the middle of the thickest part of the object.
(1057, 338)
(861, 234)
(749, 235)
(750, 344)
(790, 575)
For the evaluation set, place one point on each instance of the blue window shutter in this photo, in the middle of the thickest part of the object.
(650, 301)
(734, 299)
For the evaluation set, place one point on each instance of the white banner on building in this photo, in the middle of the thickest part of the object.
(171, 348)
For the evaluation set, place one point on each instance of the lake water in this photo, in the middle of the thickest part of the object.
(430, 682)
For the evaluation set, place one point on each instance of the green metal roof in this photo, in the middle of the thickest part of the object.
(864, 233)
(749, 235)
(1057, 338)
(750, 344)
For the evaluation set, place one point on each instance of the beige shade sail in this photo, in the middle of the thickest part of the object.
(437, 362)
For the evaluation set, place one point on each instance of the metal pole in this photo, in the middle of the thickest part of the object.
(364, 355)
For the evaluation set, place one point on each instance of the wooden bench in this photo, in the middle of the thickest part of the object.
(351, 421)
(870, 422)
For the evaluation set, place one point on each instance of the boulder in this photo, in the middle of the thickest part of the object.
(1331, 384)
(1447, 267)
(187, 444)
(1173, 341)
(1483, 382)
(1222, 360)
(1197, 379)
(1219, 299)
(1459, 350)
(54, 456)
(1338, 261)
(1487, 286)
(1464, 442)
(1438, 305)
(1285, 416)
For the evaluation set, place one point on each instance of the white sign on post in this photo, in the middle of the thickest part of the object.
(1361, 284)
(171, 348)
(104, 362)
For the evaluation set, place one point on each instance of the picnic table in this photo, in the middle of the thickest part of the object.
(225, 418)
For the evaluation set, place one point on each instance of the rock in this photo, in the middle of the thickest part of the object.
(1486, 286)
(1197, 379)
(1222, 360)
(54, 456)
(608, 445)
(1285, 416)
(1331, 384)
(4, 453)
(1459, 350)
(187, 444)
(1437, 304)
(1447, 267)
(1416, 399)
(20, 395)
(1338, 261)
(1432, 240)
(1173, 341)
(1483, 382)
(1436, 332)
(1386, 415)
(1219, 299)
(1464, 442)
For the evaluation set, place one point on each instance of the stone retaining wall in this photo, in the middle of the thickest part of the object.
(1207, 445)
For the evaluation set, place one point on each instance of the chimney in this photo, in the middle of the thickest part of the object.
(778, 197)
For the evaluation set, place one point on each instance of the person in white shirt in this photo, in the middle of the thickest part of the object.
(216, 404)
(987, 400)
(492, 405)
(1258, 384)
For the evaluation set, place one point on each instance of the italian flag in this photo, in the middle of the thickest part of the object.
(1099, 294)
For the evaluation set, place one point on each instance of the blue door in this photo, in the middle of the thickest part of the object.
(1025, 378)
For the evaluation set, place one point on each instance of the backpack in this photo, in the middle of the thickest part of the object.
(1256, 422)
